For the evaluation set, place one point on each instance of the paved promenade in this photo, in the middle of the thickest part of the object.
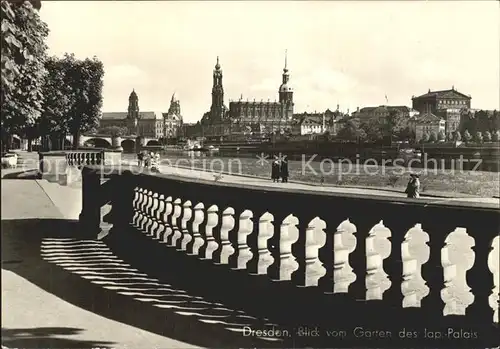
(59, 291)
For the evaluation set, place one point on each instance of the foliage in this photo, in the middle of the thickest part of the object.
(351, 131)
(114, 131)
(487, 136)
(441, 136)
(467, 136)
(74, 95)
(425, 137)
(374, 129)
(449, 136)
(395, 123)
(23, 50)
(495, 136)
(433, 137)
(478, 137)
(480, 120)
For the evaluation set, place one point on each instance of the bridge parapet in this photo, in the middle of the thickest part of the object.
(308, 259)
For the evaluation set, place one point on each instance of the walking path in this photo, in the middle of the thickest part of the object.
(33, 317)
(60, 292)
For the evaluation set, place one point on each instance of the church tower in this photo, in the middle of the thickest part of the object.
(286, 93)
(133, 106)
(217, 108)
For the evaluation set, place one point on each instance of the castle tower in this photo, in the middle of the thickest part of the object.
(286, 93)
(217, 108)
(175, 106)
(133, 106)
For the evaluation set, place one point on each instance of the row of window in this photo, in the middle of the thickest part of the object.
(452, 102)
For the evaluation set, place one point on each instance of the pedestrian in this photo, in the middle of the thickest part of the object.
(284, 169)
(413, 187)
(275, 170)
(140, 159)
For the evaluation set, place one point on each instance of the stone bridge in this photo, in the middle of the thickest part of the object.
(105, 141)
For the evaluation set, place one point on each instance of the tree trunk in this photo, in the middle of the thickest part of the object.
(30, 145)
(76, 139)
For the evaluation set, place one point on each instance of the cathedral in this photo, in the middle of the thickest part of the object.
(145, 123)
(244, 117)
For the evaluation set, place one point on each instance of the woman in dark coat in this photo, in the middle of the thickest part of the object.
(284, 170)
(275, 170)
(413, 187)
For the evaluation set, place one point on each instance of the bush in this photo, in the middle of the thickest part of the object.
(393, 180)
(441, 136)
(487, 136)
(432, 137)
(467, 136)
(457, 136)
(478, 137)
(495, 136)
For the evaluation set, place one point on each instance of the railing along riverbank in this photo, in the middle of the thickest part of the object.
(374, 271)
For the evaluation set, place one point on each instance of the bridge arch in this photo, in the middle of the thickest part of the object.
(128, 145)
(97, 142)
(153, 142)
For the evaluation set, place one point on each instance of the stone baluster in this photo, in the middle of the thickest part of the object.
(165, 227)
(457, 257)
(494, 266)
(262, 259)
(335, 257)
(187, 214)
(175, 232)
(99, 159)
(135, 204)
(210, 244)
(152, 222)
(285, 263)
(92, 158)
(242, 255)
(147, 210)
(225, 250)
(159, 217)
(142, 207)
(306, 251)
(197, 241)
(137, 209)
(414, 252)
(87, 159)
(378, 248)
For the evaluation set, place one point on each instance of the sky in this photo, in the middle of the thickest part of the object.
(346, 53)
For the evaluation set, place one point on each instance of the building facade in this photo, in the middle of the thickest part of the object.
(245, 117)
(265, 117)
(145, 124)
(426, 123)
(446, 104)
(317, 123)
(172, 120)
(382, 112)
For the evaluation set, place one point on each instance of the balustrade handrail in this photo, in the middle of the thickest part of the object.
(106, 171)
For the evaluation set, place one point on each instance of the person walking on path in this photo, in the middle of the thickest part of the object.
(413, 187)
(284, 169)
(140, 159)
(275, 170)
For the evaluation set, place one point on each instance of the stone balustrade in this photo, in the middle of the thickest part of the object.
(304, 257)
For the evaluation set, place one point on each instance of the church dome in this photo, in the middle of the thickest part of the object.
(286, 88)
(133, 95)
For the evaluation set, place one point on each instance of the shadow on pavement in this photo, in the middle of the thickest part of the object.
(47, 337)
(29, 174)
(22, 254)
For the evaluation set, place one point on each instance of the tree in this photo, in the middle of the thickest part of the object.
(495, 136)
(406, 134)
(449, 136)
(351, 131)
(441, 136)
(114, 131)
(74, 100)
(478, 137)
(467, 136)
(425, 138)
(23, 55)
(457, 136)
(487, 136)
(374, 130)
(432, 137)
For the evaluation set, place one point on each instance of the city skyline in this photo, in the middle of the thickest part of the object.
(348, 53)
